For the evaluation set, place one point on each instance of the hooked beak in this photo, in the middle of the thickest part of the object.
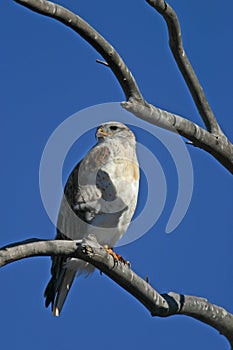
(101, 133)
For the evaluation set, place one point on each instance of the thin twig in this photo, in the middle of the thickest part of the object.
(102, 62)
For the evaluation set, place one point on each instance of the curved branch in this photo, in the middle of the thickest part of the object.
(216, 144)
(88, 33)
(176, 46)
(162, 305)
(90, 251)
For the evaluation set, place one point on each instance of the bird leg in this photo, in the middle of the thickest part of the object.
(116, 257)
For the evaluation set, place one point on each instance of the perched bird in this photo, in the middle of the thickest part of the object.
(99, 198)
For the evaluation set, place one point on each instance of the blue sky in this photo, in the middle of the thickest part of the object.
(47, 74)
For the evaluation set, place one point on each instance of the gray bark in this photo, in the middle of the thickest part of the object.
(176, 46)
(162, 305)
(211, 140)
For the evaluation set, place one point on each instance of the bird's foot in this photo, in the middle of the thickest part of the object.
(116, 257)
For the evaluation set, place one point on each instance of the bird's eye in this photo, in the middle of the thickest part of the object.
(113, 127)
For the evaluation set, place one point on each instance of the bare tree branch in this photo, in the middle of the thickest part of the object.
(88, 33)
(211, 140)
(162, 305)
(215, 143)
(176, 46)
(94, 254)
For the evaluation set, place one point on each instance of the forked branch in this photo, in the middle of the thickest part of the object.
(211, 140)
(162, 305)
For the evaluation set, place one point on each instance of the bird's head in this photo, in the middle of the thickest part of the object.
(113, 130)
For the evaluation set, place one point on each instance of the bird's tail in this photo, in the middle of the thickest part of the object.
(63, 273)
(59, 285)
(63, 290)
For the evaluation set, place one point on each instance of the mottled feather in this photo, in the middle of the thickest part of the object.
(99, 198)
